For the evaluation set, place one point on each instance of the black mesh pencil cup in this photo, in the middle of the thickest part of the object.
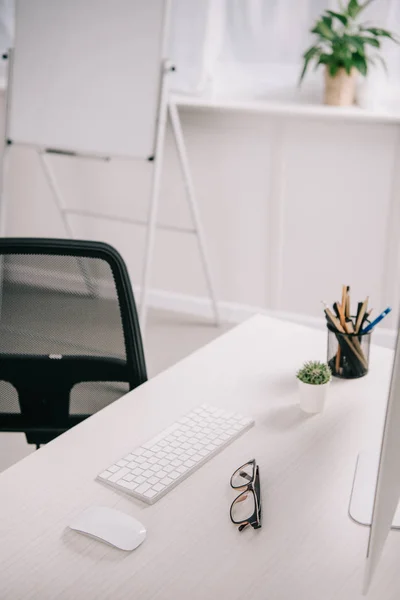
(348, 353)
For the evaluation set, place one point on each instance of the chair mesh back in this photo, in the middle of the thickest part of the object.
(61, 306)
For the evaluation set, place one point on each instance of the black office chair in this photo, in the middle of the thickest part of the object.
(70, 340)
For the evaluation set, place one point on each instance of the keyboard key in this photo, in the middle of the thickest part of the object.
(137, 471)
(168, 469)
(138, 451)
(148, 474)
(121, 473)
(158, 487)
(140, 479)
(143, 488)
(122, 463)
(140, 460)
(132, 465)
(105, 475)
(150, 493)
(197, 457)
(182, 469)
(185, 446)
(163, 462)
(211, 447)
(153, 460)
(129, 457)
(152, 480)
(129, 477)
(189, 463)
(147, 453)
(174, 475)
(113, 469)
(129, 485)
(203, 453)
(166, 481)
(161, 454)
(161, 474)
(155, 467)
(145, 465)
(175, 463)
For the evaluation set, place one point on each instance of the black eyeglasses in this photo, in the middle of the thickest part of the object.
(246, 509)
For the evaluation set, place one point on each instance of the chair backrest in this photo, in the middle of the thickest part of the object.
(70, 339)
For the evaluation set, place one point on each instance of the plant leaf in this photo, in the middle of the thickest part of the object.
(308, 55)
(383, 62)
(353, 8)
(325, 59)
(348, 64)
(371, 41)
(333, 69)
(360, 63)
(380, 33)
(322, 29)
(355, 42)
(327, 21)
(342, 18)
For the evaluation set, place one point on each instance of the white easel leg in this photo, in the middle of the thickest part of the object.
(3, 204)
(154, 202)
(3, 214)
(59, 201)
(189, 187)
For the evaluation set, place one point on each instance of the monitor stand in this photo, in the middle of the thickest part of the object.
(363, 492)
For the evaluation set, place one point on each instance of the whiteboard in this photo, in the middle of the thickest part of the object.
(86, 74)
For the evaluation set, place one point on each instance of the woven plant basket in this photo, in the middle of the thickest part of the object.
(340, 90)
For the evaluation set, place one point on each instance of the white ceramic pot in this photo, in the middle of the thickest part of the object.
(312, 397)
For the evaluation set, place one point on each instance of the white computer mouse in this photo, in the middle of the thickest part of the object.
(110, 526)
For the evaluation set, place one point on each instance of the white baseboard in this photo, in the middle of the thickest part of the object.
(231, 312)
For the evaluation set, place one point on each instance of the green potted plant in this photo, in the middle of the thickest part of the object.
(345, 48)
(313, 380)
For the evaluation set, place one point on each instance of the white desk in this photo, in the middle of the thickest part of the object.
(308, 548)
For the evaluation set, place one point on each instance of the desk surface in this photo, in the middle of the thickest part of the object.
(308, 548)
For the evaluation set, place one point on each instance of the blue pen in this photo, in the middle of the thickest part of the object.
(377, 320)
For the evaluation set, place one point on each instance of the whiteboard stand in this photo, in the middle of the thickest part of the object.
(166, 107)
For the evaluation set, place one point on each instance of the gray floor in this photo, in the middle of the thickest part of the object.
(170, 337)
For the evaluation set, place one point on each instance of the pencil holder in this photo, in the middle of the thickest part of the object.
(348, 353)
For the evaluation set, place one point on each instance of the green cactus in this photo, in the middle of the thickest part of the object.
(314, 372)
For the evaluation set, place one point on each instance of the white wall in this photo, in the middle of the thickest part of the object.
(292, 209)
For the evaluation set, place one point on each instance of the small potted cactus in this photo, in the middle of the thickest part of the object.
(313, 380)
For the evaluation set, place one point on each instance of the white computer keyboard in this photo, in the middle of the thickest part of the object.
(151, 470)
